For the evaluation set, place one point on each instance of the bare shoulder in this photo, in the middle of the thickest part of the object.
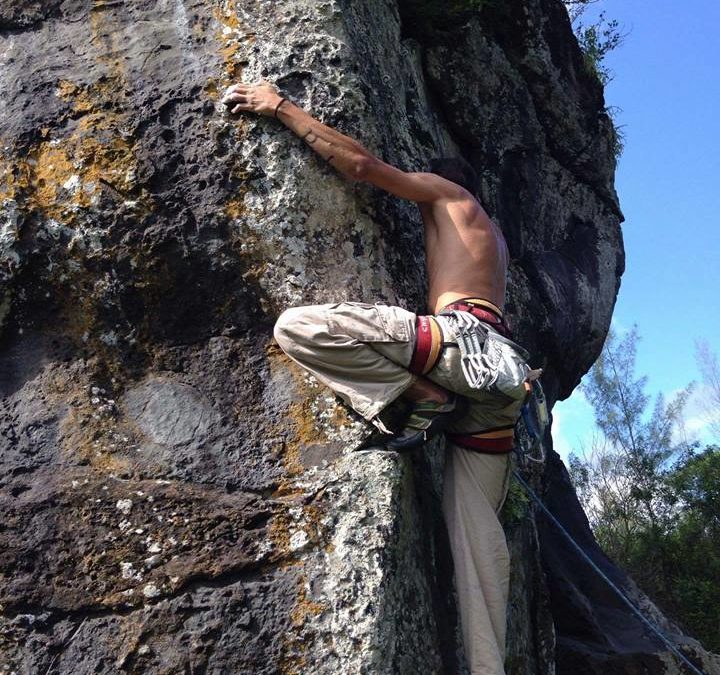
(431, 188)
(463, 208)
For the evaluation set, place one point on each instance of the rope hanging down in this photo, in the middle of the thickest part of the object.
(533, 495)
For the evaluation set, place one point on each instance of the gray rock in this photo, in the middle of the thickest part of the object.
(170, 413)
(176, 495)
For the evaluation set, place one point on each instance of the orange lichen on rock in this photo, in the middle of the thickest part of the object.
(293, 660)
(75, 94)
(279, 532)
(304, 606)
(231, 37)
(89, 430)
(59, 176)
(300, 413)
(234, 208)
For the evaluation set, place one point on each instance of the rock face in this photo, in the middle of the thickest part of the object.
(177, 497)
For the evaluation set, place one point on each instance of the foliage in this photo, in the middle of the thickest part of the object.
(694, 544)
(596, 39)
(618, 133)
(652, 499)
(516, 506)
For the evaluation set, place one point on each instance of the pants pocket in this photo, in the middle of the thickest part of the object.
(369, 323)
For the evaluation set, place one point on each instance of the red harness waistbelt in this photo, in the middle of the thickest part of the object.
(486, 311)
(492, 441)
(428, 345)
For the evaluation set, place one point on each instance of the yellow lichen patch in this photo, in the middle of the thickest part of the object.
(227, 16)
(304, 418)
(233, 69)
(340, 417)
(107, 91)
(59, 176)
(304, 606)
(86, 434)
(231, 36)
(234, 208)
(291, 664)
(75, 94)
(279, 532)
(293, 660)
(212, 89)
(300, 413)
(56, 179)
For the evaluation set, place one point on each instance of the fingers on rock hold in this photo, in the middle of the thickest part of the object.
(234, 89)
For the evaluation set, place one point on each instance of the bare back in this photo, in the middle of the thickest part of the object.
(466, 253)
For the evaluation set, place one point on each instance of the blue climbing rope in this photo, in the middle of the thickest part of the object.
(602, 574)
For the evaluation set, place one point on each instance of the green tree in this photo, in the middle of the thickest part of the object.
(653, 499)
(621, 481)
(694, 542)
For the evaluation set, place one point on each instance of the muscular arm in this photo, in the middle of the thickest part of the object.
(345, 154)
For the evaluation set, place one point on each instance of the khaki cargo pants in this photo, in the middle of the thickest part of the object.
(362, 351)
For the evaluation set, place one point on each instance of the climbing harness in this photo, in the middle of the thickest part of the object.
(482, 309)
(496, 441)
(429, 333)
(490, 361)
(428, 345)
(618, 591)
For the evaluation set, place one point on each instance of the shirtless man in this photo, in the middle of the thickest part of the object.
(372, 354)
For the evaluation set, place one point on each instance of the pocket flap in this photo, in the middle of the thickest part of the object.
(367, 323)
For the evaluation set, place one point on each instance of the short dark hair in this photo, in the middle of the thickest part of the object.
(457, 170)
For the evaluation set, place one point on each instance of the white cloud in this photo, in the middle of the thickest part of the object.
(699, 417)
(573, 425)
(560, 442)
(618, 326)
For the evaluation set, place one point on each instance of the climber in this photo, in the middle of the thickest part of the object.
(372, 354)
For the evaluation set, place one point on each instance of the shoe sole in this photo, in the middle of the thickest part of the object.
(436, 427)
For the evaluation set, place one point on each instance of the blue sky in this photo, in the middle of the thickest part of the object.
(667, 86)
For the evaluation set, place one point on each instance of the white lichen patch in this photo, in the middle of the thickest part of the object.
(110, 338)
(72, 184)
(298, 540)
(151, 591)
(9, 258)
(127, 571)
(124, 506)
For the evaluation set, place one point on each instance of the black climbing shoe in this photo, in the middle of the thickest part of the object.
(427, 420)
